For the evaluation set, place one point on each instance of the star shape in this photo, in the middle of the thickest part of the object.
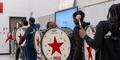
(20, 36)
(89, 49)
(55, 46)
(10, 37)
(38, 42)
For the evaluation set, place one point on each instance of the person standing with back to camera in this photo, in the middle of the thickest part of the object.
(108, 47)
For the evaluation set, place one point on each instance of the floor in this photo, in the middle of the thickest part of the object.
(7, 57)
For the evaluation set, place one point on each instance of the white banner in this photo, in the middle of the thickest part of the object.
(66, 4)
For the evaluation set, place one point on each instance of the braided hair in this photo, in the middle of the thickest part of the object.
(114, 17)
(114, 12)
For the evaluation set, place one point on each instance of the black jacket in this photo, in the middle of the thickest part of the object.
(104, 46)
(77, 44)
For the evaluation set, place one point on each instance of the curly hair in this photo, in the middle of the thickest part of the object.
(114, 12)
(79, 13)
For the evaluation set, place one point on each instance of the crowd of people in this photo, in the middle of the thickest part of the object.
(24, 44)
(107, 47)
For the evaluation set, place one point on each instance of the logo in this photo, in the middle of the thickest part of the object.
(56, 46)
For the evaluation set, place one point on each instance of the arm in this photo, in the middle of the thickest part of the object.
(95, 43)
(24, 37)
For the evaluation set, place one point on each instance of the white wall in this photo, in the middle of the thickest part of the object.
(94, 14)
(17, 7)
(11, 8)
(22, 8)
(98, 12)
(44, 7)
(44, 19)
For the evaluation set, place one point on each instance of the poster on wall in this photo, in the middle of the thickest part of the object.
(64, 4)
(84, 3)
(1, 6)
(4, 41)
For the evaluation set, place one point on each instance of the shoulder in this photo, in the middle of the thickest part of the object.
(103, 23)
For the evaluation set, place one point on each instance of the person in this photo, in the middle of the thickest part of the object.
(107, 47)
(38, 26)
(23, 50)
(51, 24)
(77, 42)
(13, 45)
(17, 41)
(29, 38)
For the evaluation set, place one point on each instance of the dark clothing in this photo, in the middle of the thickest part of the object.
(23, 53)
(23, 48)
(77, 44)
(104, 46)
(17, 54)
(29, 45)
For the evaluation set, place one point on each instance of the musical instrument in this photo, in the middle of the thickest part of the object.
(88, 51)
(37, 44)
(56, 45)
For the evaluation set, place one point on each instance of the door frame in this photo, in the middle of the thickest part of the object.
(10, 17)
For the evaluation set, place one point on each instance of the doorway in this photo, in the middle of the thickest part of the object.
(13, 21)
(12, 24)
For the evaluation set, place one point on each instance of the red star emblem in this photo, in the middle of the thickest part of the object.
(10, 37)
(89, 49)
(38, 42)
(55, 46)
(20, 36)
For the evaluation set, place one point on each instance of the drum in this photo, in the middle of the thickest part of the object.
(68, 31)
(37, 44)
(88, 51)
(56, 45)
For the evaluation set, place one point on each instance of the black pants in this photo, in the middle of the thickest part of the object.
(17, 54)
